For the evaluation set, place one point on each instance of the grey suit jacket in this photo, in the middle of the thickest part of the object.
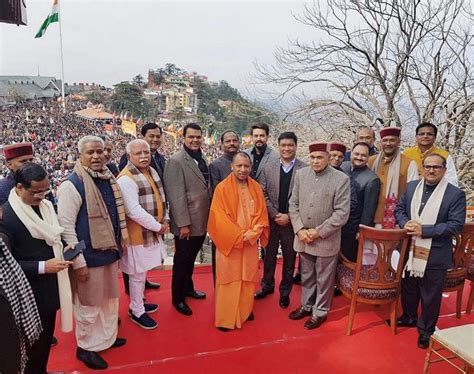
(270, 154)
(188, 194)
(321, 201)
(270, 182)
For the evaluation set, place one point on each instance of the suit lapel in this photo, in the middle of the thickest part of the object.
(264, 160)
(298, 165)
(275, 168)
(194, 167)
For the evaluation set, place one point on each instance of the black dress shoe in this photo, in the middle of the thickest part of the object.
(403, 322)
(196, 294)
(423, 341)
(184, 308)
(151, 285)
(299, 313)
(284, 301)
(251, 317)
(91, 359)
(223, 329)
(297, 279)
(337, 291)
(314, 323)
(119, 342)
(54, 341)
(262, 294)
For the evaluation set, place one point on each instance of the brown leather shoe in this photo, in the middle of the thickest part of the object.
(299, 313)
(314, 323)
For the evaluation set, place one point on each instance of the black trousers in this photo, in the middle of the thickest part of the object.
(428, 290)
(38, 354)
(279, 236)
(349, 245)
(185, 254)
(213, 258)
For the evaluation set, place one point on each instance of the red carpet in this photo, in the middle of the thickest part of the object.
(272, 343)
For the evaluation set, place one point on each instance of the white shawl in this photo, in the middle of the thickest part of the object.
(47, 229)
(420, 247)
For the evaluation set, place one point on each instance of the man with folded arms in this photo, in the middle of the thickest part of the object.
(145, 207)
(319, 207)
(432, 211)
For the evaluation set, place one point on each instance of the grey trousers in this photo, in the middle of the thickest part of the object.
(317, 281)
(284, 236)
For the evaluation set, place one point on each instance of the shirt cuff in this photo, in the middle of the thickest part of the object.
(41, 267)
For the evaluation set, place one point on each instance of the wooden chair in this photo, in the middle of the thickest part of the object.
(470, 276)
(378, 283)
(456, 276)
(453, 345)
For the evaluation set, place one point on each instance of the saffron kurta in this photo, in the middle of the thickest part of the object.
(238, 218)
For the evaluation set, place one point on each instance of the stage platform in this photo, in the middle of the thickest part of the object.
(272, 343)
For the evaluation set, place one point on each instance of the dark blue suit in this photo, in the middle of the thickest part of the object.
(429, 288)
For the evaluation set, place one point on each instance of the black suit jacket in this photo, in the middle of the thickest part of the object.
(28, 252)
(10, 341)
(450, 221)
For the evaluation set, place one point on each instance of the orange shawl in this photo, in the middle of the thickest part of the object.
(222, 225)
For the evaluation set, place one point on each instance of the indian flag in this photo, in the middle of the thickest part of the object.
(52, 17)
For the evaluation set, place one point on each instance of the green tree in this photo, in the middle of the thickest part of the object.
(128, 97)
(138, 80)
(96, 97)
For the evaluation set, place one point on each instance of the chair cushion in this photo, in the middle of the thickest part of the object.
(459, 340)
(345, 280)
(453, 282)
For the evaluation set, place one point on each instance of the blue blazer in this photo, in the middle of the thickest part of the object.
(450, 221)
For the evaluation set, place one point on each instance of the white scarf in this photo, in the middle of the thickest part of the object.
(47, 229)
(393, 174)
(420, 247)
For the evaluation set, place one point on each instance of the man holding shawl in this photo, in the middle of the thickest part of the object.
(432, 210)
(145, 206)
(394, 170)
(34, 237)
(238, 218)
(90, 208)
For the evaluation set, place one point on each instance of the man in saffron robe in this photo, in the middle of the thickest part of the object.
(238, 218)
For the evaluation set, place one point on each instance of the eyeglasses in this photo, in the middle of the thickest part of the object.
(425, 134)
(434, 167)
(39, 194)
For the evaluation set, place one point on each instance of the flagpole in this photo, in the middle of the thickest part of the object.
(62, 59)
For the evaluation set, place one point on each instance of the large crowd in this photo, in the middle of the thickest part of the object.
(117, 198)
(54, 132)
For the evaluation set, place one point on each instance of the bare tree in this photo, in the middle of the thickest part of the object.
(374, 50)
(396, 61)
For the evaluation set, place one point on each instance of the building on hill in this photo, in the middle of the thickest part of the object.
(15, 88)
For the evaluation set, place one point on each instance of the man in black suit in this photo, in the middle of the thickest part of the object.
(432, 211)
(152, 134)
(277, 180)
(35, 256)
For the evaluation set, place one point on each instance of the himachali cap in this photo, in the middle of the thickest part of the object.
(338, 147)
(17, 150)
(319, 147)
(390, 131)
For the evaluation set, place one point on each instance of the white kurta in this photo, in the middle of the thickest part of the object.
(96, 326)
(138, 258)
